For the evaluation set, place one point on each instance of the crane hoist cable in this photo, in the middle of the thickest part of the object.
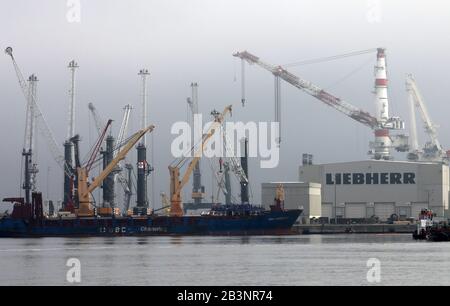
(348, 75)
(42, 123)
(329, 58)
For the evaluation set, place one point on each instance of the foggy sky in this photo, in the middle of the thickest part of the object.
(181, 41)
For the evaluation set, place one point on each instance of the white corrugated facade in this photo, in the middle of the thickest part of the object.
(364, 189)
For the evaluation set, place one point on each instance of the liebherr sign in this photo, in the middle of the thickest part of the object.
(383, 178)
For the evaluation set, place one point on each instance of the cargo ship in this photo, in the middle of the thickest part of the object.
(240, 219)
(83, 218)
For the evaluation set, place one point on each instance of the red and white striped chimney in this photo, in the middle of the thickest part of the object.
(382, 139)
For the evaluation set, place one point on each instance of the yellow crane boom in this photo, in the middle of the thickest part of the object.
(85, 189)
(176, 185)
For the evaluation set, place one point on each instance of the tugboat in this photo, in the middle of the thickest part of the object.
(431, 230)
(424, 225)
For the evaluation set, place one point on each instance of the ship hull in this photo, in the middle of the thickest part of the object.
(266, 223)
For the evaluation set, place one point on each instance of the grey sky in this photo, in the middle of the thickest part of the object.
(185, 41)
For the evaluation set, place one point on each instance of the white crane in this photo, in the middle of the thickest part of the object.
(144, 74)
(432, 150)
(118, 175)
(381, 124)
(30, 131)
(71, 128)
(197, 188)
(39, 117)
(124, 126)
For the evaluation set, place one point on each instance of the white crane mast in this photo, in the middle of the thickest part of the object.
(39, 117)
(30, 120)
(124, 126)
(120, 138)
(143, 73)
(71, 128)
(413, 138)
(432, 150)
(30, 133)
(234, 161)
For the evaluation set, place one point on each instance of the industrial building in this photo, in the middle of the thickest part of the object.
(297, 195)
(364, 189)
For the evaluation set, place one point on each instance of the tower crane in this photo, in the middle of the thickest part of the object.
(177, 184)
(432, 150)
(381, 124)
(85, 189)
(39, 117)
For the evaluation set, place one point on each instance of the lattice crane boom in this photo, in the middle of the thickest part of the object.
(432, 150)
(39, 117)
(313, 90)
(430, 127)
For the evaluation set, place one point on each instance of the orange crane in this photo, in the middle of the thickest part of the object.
(85, 189)
(176, 185)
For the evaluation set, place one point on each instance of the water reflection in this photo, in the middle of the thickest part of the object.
(176, 240)
(224, 260)
(142, 240)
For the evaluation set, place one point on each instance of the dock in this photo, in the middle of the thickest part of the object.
(306, 229)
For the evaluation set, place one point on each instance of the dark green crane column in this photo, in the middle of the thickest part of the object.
(244, 165)
(108, 183)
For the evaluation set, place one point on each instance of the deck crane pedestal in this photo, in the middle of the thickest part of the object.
(381, 124)
(177, 184)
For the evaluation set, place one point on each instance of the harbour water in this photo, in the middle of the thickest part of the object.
(270, 260)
